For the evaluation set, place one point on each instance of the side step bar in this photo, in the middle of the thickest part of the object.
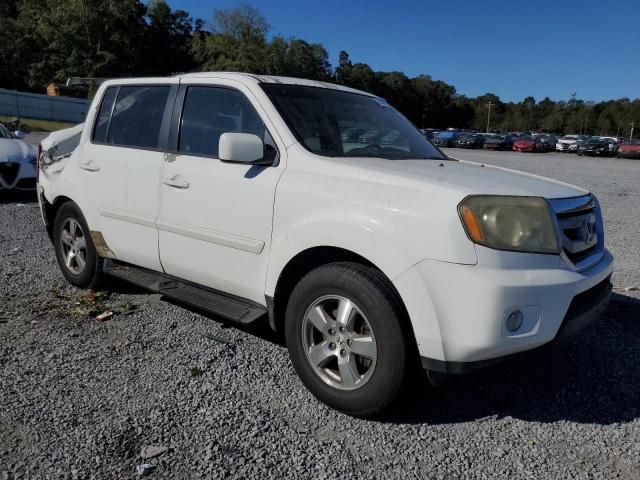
(229, 307)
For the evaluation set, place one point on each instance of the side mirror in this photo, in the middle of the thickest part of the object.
(19, 135)
(240, 147)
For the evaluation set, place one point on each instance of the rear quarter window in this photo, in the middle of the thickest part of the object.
(101, 126)
(136, 116)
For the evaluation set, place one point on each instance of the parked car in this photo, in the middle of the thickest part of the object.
(445, 138)
(428, 132)
(612, 142)
(370, 136)
(569, 143)
(350, 134)
(17, 161)
(528, 144)
(469, 140)
(234, 194)
(548, 141)
(498, 142)
(595, 147)
(629, 149)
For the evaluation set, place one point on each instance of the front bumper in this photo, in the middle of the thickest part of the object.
(459, 323)
(566, 147)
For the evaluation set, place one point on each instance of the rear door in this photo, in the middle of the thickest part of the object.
(122, 165)
(216, 217)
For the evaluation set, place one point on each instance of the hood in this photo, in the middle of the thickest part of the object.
(525, 141)
(569, 141)
(495, 140)
(13, 150)
(462, 177)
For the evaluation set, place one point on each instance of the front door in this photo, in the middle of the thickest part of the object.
(216, 217)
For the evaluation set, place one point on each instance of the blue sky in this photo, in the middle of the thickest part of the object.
(510, 48)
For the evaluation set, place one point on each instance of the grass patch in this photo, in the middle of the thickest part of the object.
(40, 125)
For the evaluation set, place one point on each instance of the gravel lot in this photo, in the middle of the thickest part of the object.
(81, 398)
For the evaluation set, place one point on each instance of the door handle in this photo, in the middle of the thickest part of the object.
(90, 166)
(176, 181)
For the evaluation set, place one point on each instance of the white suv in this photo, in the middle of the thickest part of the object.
(324, 210)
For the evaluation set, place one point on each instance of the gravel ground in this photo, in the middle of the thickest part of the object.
(81, 398)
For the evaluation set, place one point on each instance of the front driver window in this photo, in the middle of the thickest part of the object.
(209, 112)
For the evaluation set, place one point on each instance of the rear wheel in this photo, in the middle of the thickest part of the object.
(347, 338)
(75, 251)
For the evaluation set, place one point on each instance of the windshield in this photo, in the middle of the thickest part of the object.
(336, 123)
(4, 133)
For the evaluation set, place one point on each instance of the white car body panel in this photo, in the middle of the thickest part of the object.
(237, 227)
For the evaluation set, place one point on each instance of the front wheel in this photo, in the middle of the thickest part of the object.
(75, 251)
(348, 339)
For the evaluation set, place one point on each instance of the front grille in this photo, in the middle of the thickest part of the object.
(580, 224)
(9, 172)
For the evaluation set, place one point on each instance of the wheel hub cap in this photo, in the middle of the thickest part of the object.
(339, 342)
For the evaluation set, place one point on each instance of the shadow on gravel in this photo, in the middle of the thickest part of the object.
(593, 377)
(260, 328)
(17, 196)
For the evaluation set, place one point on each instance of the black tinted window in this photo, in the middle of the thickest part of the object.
(102, 122)
(137, 116)
(209, 112)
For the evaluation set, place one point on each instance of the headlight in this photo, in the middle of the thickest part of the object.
(522, 224)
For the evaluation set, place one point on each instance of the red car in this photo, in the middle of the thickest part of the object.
(629, 149)
(527, 144)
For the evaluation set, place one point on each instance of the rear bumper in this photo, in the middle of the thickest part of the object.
(628, 154)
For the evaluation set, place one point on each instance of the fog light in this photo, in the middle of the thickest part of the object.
(514, 320)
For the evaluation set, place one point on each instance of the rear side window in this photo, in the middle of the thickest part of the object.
(209, 112)
(104, 114)
(137, 116)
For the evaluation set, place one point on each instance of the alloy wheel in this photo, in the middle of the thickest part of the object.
(339, 342)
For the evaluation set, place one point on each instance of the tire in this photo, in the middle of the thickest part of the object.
(84, 269)
(380, 368)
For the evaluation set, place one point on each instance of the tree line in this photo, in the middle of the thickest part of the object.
(43, 41)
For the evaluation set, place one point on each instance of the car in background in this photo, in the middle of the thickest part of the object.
(568, 143)
(498, 142)
(469, 140)
(445, 139)
(613, 143)
(528, 144)
(18, 161)
(594, 147)
(350, 134)
(548, 141)
(370, 136)
(428, 132)
(629, 149)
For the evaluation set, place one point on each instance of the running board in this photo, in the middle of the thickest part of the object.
(217, 303)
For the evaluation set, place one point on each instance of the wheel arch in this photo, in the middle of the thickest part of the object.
(50, 210)
(309, 259)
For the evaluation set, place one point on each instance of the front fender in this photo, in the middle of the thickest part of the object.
(359, 238)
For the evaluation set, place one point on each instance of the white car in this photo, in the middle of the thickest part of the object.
(237, 194)
(17, 161)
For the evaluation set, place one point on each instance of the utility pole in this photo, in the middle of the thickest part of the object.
(489, 105)
(633, 124)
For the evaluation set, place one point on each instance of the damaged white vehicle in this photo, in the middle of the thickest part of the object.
(17, 161)
(249, 197)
